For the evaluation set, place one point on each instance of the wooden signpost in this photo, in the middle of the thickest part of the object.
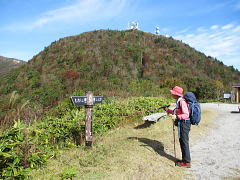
(88, 101)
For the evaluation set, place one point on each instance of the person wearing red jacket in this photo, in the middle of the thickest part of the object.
(181, 117)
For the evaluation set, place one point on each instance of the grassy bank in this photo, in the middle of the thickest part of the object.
(135, 151)
(26, 147)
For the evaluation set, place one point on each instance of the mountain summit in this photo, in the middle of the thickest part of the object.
(118, 63)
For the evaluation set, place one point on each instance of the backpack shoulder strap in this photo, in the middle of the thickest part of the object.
(179, 100)
(178, 104)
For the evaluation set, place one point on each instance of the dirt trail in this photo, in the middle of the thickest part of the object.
(217, 156)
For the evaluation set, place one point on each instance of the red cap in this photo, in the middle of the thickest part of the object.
(177, 91)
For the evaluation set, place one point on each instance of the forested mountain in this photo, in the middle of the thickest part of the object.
(7, 64)
(38, 120)
(117, 63)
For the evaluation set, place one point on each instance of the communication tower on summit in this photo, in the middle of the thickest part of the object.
(134, 25)
(157, 30)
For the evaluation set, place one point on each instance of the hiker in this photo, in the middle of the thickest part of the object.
(180, 116)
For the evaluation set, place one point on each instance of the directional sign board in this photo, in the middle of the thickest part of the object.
(88, 101)
(97, 99)
(82, 100)
(226, 95)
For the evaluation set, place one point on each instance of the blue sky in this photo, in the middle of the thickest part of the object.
(210, 26)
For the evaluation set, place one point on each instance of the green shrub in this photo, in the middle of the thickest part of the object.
(68, 174)
(19, 152)
(23, 147)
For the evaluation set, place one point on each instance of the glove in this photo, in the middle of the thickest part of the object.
(176, 122)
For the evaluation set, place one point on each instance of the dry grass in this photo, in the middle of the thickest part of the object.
(145, 152)
(237, 171)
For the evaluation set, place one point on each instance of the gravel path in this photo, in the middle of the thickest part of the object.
(217, 156)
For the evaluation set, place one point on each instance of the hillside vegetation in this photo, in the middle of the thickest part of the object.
(8, 64)
(112, 63)
(127, 67)
(25, 147)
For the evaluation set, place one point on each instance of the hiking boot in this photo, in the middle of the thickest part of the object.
(179, 161)
(184, 164)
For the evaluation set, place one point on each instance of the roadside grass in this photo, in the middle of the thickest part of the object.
(235, 171)
(135, 151)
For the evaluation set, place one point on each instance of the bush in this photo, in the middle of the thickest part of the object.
(19, 152)
(23, 147)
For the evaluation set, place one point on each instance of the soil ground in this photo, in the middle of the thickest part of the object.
(217, 156)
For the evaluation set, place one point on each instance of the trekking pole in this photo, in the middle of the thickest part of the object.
(174, 142)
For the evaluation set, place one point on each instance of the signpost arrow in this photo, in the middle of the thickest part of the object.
(89, 100)
(82, 100)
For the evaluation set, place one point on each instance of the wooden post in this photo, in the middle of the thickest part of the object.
(88, 101)
(88, 120)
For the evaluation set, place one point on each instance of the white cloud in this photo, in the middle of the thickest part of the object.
(222, 43)
(228, 26)
(81, 12)
(215, 27)
(190, 35)
(237, 29)
(201, 29)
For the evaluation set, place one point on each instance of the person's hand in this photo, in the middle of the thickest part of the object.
(174, 117)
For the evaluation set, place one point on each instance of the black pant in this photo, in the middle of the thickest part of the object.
(184, 140)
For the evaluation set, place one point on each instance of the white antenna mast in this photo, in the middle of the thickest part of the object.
(134, 25)
(157, 30)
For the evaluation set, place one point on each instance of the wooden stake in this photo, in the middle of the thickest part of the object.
(88, 120)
